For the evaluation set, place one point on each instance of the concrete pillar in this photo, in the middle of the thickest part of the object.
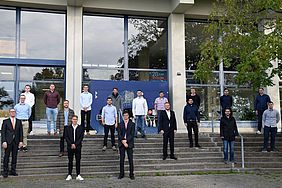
(176, 66)
(74, 57)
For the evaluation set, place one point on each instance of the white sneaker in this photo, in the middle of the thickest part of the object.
(31, 133)
(258, 132)
(69, 178)
(79, 178)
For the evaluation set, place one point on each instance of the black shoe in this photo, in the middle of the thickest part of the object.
(20, 149)
(120, 177)
(164, 157)
(13, 173)
(233, 162)
(173, 157)
(197, 146)
(5, 174)
(225, 162)
(144, 136)
(24, 149)
(191, 145)
(132, 177)
(135, 136)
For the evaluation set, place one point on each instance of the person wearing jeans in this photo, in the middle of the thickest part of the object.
(109, 121)
(228, 133)
(51, 99)
(270, 118)
(261, 103)
(139, 110)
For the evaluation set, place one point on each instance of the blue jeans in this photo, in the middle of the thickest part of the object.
(49, 113)
(140, 122)
(225, 150)
(273, 131)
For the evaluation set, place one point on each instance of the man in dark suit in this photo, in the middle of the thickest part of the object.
(12, 139)
(168, 127)
(74, 135)
(126, 131)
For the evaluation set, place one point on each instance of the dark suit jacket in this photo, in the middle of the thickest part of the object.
(129, 133)
(79, 134)
(61, 120)
(166, 124)
(8, 131)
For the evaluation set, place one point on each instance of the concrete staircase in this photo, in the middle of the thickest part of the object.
(42, 161)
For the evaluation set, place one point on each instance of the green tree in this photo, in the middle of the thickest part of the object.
(250, 39)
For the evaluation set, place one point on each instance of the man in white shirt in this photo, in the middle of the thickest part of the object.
(139, 110)
(85, 103)
(30, 100)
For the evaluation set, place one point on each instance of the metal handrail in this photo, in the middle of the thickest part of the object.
(242, 150)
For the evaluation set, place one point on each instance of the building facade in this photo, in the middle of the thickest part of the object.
(71, 42)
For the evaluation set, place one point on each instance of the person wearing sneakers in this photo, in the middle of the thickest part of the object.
(140, 110)
(228, 133)
(260, 106)
(23, 113)
(74, 134)
(85, 103)
(110, 122)
(30, 100)
(63, 120)
(51, 99)
(270, 119)
(190, 117)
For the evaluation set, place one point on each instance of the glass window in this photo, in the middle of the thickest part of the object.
(103, 39)
(6, 97)
(243, 103)
(213, 80)
(147, 43)
(209, 101)
(7, 33)
(42, 35)
(7, 72)
(154, 76)
(41, 73)
(102, 74)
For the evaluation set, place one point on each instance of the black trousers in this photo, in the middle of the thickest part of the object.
(260, 113)
(192, 125)
(106, 130)
(13, 147)
(168, 136)
(31, 118)
(77, 153)
(130, 160)
(88, 114)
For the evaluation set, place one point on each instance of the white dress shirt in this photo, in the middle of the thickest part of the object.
(29, 99)
(139, 106)
(74, 128)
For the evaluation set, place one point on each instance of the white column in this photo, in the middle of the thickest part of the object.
(74, 57)
(176, 66)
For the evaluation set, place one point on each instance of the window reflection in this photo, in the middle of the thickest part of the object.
(7, 33)
(102, 74)
(7, 72)
(41, 73)
(103, 39)
(147, 43)
(153, 76)
(6, 96)
(42, 35)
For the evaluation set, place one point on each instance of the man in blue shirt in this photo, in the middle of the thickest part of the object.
(190, 116)
(23, 112)
(109, 121)
(225, 101)
(261, 103)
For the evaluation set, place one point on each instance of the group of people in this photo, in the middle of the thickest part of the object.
(15, 129)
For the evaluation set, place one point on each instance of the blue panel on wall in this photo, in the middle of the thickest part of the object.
(101, 89)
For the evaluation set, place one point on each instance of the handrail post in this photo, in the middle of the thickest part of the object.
(242, 151)
(212, 122)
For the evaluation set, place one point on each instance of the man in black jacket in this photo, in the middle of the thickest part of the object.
(190, 117)
(226, 100)
(126, 131)
(74, 135)
(168, 127)
(228, 133)
(12, 139)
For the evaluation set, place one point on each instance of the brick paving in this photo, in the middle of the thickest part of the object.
(193, 181)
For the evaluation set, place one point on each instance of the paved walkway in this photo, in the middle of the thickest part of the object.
(197, 181)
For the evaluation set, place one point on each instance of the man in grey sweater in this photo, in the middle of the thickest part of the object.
(270, 118)
(117, 101)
